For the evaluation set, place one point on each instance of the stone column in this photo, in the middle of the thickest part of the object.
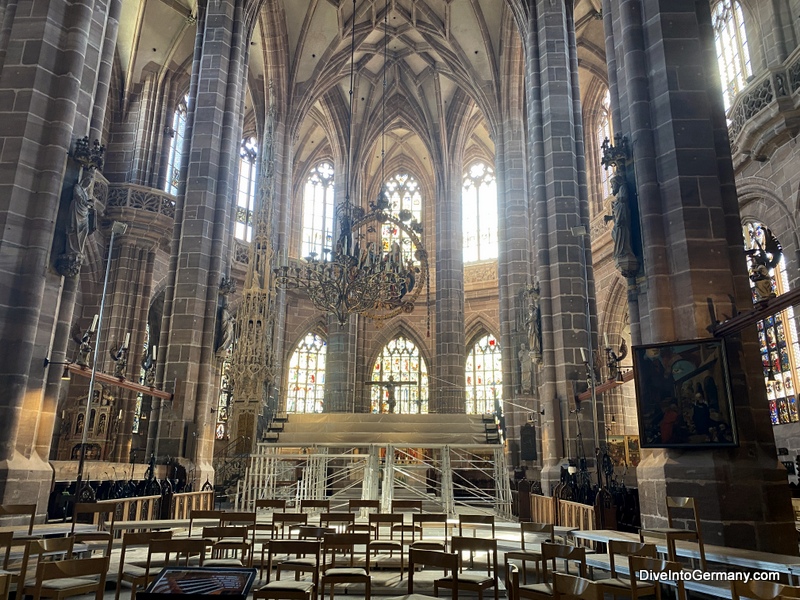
(670, 107)
(559, 203)
(187, 427)
(45, 81)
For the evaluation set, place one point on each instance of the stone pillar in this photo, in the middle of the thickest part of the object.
(202, 224)
(670, 106)
(46, 82)
(562, 259)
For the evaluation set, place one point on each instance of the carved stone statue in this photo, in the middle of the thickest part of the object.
(533, 323)
(80, 210)
(226, 328)
(624, 257)
(525, 368)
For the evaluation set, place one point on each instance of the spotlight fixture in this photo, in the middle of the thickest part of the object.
(65, 376)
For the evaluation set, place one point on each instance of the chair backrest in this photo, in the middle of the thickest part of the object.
(238, 518)
(185, 548)
(620, 548)
(354, 505)
(762, 590)
(5, 585)
(103, 514)
(677, 504)
(226, 532)
(286, 520)
(537, 529)
(472, 545)
(339, 520)
(28, 510)
(315, 505)
(570, 587)
(430, 521)
(342, 545)
(296, 548)
(463, 520)
(135, 540)
(195, 515)
(654, 565)
(550, 552)
(73, 567)
(406, 506)
(386, 521)
(35, 550)
(447, 561)
(6, 538)
(273, 504)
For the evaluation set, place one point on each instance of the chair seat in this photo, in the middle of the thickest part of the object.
(524, 555)
(623, 583)
(538, 588)
(133, 571)
(65, 583)
(671, 531)
(385, 545)
(346, 572)
(222, 562)
(413, 597)
(424, 545)
(295, 586)
(465, 577)
(298, 562)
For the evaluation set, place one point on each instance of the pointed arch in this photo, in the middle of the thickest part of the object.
(400, 373)
(305, 385)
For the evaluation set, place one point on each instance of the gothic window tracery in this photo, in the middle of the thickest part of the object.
(733, 56)
(177, 133)
(403, 377)
(246, 192)
(403, 193)
(604, 133)
(318, 212)
(484, 376)
(479, 213)
(777, 334)
(306, 388)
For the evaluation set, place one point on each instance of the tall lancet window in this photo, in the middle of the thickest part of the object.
(604, 133)
(733, 56)
(777, 334)
(246, 193)
(404, 197)
(306, 388)
(177, 134)
(318, 212)
(479, 213)
(400, 379)
(484, 377)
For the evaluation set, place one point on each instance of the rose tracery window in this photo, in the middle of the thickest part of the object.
(733, 56)
(246, 192)
(318, 212)
(306, 389)
(484, 376)
(400, 379)
(479, 213)
(177, 133)
(403, 193)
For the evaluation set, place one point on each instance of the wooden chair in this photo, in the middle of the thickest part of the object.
(134, 574)
(384, 540)
(617, 585)
(301, 556)
(103, 515)
(336, 545)
(550, 554)
(341, 521)
(5, 585)
(314, 506)
(70, 577)
(176, 553)
(7, 541)
(286, 523)
(763, 590)
(271, 506)
(406, 506)
(226, 539)
(525, 554)
(418, 558)
(474, 522)
(364, 508)
(671, 533)
(654, 565)
(428, 521)
(473, 580)
(195, 515)
(569, 587)
(21, 510)
(38, 551)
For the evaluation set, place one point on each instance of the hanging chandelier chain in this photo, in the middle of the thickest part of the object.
(383, 100)
(350, 115)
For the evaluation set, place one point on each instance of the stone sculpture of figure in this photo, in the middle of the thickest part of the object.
(759, 274)
(525, 366)
(390, 399)
(533, 323)
(80, 210)
(621, 232)
(226, 326)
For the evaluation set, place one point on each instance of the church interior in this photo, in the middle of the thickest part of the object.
(475, 252)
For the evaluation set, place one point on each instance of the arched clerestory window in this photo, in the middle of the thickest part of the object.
(246, 190)
(484, 377)
(318, 212)
(400, 379)
(777, 334)
(733, 55)
(306, 386)
(403, 193)
(602, 133)
(177, 134)
(479, 213)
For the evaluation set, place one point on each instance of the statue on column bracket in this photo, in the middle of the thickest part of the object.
(533, 322)
(525, 369)
(618, 156)
(226, 321)
(81, 225)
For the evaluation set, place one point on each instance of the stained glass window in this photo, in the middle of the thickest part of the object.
(318, 210)
(177, 132)
(306, 387)
(246, 194)
(401, 379)
(479, 213)
(403, 193)
(777, 334)
(733, 56)
(604, 133)
(484, 376)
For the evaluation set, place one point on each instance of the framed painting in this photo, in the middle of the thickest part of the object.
(683, 395)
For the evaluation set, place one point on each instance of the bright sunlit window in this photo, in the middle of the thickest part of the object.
(484, 376)
(318, 212)
(246, 193)
(733, 56)
(306, 388)
(177, 133)
(479, 213)
(400, 379)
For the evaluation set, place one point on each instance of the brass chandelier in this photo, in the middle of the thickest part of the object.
(365, 273)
